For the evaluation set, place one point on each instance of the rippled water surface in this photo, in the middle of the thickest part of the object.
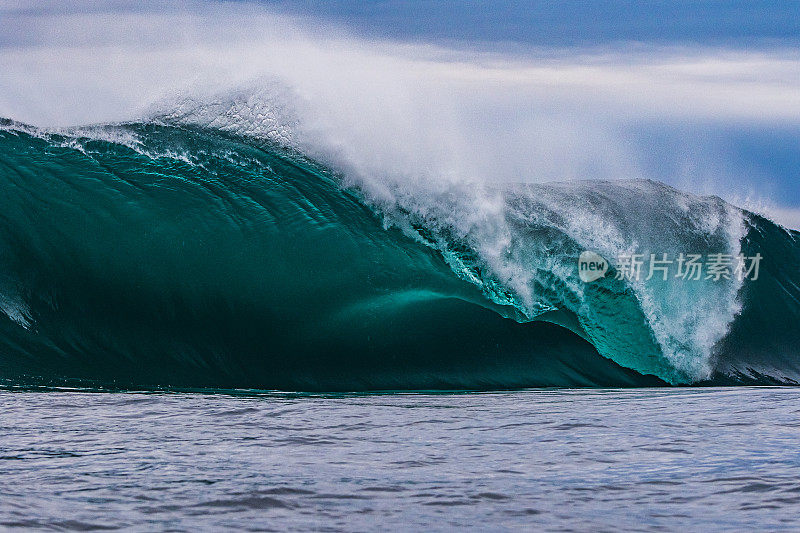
(549, 459)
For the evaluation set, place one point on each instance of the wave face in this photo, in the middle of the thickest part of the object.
(164, 255)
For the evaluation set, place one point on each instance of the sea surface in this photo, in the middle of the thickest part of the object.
(702, 459)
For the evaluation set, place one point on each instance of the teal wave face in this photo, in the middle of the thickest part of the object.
(151, 255)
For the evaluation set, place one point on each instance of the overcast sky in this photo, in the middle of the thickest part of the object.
(704, 95)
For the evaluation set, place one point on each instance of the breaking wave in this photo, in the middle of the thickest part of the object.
(188, 252)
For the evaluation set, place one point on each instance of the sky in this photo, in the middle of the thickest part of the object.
(584, 23)
(703, 95)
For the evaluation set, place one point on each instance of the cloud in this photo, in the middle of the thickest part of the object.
(381, 106)
(124, 54)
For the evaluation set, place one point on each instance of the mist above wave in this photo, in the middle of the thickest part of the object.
(432, 112)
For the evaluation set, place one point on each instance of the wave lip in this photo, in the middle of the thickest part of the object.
(150, 254)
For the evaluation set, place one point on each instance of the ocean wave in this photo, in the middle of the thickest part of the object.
(188, 252)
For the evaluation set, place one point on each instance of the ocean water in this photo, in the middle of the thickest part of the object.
(658, 459)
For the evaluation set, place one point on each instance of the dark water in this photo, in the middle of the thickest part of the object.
(647, 459)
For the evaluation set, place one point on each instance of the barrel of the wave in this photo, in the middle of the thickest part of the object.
(151, 256)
